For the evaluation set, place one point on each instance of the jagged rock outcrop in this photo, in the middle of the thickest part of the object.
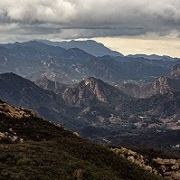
(169, 83)
(135, 158)
(165, 85)
(43, 82)
(90, 91)
(46, 84)
(175, 71)
(15, 112)
(162, 85)
(10, 138)
(167, 168)
(21, 92)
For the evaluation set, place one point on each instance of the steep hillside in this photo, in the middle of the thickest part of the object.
(24, 93)
(47, 151)
(167, 104)
(46, 84)
(153, 161)
(19, 90)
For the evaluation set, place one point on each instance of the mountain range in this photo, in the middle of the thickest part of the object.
(33, 59)
(98, 111)
(165, 84)
(89, 46)
(102, 98)
(154, 57)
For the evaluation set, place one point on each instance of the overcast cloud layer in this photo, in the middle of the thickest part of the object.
(67, 19)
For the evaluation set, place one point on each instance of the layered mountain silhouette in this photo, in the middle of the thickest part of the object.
(33, 59)
(95, 109)
(90, 46)
(162, 85)
(92, 91)
(96, 96)
(154, 57)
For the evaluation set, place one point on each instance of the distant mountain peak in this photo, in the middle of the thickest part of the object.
(175, 71)
(91, 90)
(90, 46)
(90, 80)
(153, 57)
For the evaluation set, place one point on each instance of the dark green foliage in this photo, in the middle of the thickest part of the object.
(33, 128)
(155, 153)
(50, 152)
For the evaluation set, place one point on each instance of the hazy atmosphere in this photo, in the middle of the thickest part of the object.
(131, 26)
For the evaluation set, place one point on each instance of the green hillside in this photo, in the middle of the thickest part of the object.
(43, 150)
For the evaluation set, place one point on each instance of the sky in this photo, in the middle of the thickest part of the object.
(131, 26)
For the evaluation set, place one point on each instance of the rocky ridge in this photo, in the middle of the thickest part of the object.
(91, 90)
(175, 71)
(165, 85)
(167, 168)
(162, 85)
(15, 112)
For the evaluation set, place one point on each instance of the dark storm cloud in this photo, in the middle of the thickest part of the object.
(89, 18)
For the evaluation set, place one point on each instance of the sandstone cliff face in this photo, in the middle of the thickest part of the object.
(165, 85)
(90, 91)
(161, 86)
(167, 168)
(175, 71)
(169, 83)
(83, 93)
